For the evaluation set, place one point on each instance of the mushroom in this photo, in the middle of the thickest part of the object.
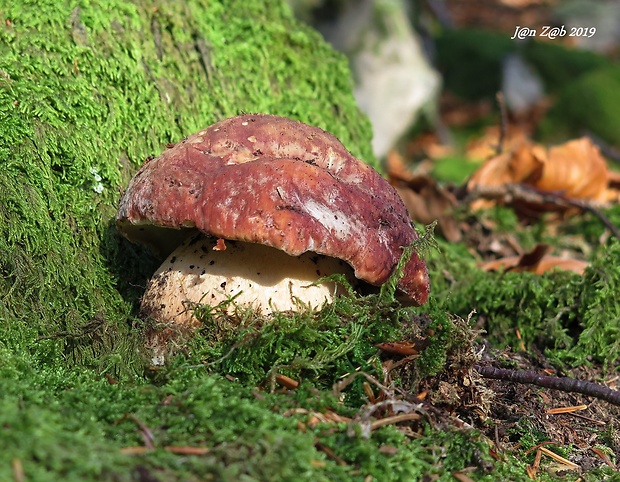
(277, 204)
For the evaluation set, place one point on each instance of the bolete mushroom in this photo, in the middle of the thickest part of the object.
(278, 204)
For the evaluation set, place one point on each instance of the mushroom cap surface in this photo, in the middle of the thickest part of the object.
(274, 181)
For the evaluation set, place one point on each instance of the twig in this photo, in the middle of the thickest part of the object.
(503, 122)
(330, 453)
(511, 192)
(584, 206)
(403, 417)
(564, 384)
(145, 431)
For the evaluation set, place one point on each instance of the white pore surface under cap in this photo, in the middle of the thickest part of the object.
(260, 276)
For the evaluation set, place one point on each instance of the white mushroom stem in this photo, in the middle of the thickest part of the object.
(265, 278)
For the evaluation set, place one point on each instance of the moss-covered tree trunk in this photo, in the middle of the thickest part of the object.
(87, 92)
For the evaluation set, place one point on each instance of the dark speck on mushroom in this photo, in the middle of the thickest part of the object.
(211, 263)
(223, 285)
(173, 259)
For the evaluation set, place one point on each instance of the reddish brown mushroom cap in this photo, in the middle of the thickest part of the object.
(274, 181)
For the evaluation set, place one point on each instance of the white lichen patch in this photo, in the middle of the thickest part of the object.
(97, 185)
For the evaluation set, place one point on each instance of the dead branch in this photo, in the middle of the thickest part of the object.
(564, 384)
(511, 192)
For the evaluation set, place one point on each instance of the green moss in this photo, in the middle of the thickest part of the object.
(321, 346)
(250, 435)
(443, 334)
(54, 412)
(590, 226)
(471, 61)
(559, 311)
(453, 169)
(558, 65)
(588, 104)
(599, 313)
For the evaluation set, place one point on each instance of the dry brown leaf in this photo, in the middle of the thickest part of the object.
(425, 199)
(426, 145)
(405, 348)
(485, 147)
(575, 169)
(397, 168)
(536, 261)
(614, 180)
(457, 112)
(513, 166)
(550, 262)
(613, 187)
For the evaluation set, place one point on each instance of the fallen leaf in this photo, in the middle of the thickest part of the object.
(425, 199)
(512, 166)
(405, 348)
(536, 261)
(575, 170)
(485, 147)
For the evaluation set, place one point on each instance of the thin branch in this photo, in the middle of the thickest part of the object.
(564, 384)
(585, 206)
(503, 122)
(512, 192)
